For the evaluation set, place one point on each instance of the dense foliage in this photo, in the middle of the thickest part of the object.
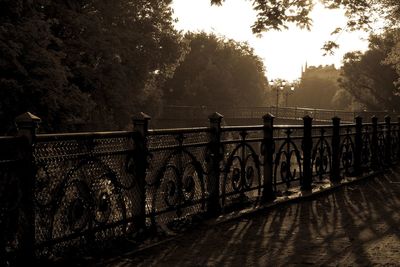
(90, 64)
(370, 77)
(33, 75)
(317, 88)
(272, 14)
(216, 71)
(73, 62)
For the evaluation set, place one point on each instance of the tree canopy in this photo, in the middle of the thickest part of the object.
(370, 77)
(361, 14)
(98, 61)
(317, 88)
(33, 75)
(216, 71)
(73, 62)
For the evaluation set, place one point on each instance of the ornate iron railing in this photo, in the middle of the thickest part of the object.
(177, 174)
(241, 164)
(86, 189)
(73, 192)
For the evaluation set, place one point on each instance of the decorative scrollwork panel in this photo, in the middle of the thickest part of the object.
(176, 178)
(321, 155)
(288, 160)
(240, 179)
(366, 152)
(86, 192)
(347, 150)
(381, 144)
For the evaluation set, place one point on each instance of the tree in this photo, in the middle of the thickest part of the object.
(317, 88)
(368, 78)
(32, 74)
(216, 71)
(120, 52)
(272, 14)
(75, 62)
(276, 15)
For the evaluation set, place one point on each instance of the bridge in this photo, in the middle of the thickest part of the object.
(80, 193)
(192, 116)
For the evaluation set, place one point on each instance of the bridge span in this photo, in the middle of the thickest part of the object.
(192, 116)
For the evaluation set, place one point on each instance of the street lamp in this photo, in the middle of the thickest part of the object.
(287, 94)
(278, 86)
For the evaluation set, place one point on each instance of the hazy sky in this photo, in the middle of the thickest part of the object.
(284, 52)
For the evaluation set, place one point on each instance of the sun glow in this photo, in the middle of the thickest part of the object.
(284, 53)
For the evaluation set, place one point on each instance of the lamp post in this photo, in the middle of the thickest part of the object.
(278, 85)
(289, 91)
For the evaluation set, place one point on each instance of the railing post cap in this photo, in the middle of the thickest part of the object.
(268, 116)
(387, 117)
(141, 116)
(27, 120)
(336, 118)
(358, 117)
(215, 116)
(307, 117)
(374, 118)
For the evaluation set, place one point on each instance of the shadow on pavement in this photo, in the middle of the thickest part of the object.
(356, 225)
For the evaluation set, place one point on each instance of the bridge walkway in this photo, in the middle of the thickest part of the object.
(355, 225)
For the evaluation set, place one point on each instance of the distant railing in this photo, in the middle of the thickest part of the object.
(292, 113)
(75, 192)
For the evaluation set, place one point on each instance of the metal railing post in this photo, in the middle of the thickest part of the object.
(213, 203)
(335, 171)
(358, 146)
(140, 123)
(388, 141)
(374, 144)
(267, 150)
(27, 125)
(307, 150)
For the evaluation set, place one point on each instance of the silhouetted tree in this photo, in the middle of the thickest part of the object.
(272, 14)
(74, 62)
(317, 88)
(216, 71)
(368, 78)
(120, 52)
(33, 75)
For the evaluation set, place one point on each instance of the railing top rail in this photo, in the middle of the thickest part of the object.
(283, 126)
(83, 135)
(345, 125)
(320, 126)
(178, 130)
(240, 128)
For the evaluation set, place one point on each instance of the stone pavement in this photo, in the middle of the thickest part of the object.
(355, 225)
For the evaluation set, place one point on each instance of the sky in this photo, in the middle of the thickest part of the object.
(283, 52)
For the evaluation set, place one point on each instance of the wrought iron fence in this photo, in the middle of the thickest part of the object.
(177, 178)
(71, 192)
(86, 191)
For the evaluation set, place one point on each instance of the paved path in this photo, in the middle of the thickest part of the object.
(357, 225)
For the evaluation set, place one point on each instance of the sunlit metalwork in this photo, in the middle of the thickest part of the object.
(79, 191)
